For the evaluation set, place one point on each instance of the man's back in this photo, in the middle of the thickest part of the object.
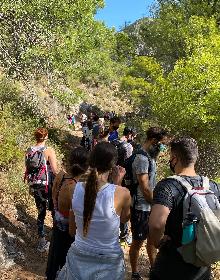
(170, 193)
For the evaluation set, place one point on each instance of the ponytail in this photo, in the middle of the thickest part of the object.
(91, 190)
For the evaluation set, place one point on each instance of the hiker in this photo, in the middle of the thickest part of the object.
(113, 129)
(73, 121)
(106, 116)
(87, 138)
(82, 118)
(127, 138)
(128, 150)
(69, 119)
(41, 166)
(98, 206)
(101, 125)
(95, 130)
(103, 137)
(143, 169)
(166, 223)
(63, 185)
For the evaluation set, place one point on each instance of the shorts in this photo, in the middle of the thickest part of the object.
(139, 224)
(85, 265)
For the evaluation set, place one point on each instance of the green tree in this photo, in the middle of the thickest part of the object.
(163, 36)
(42, 37)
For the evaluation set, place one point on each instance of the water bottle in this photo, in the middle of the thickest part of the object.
(189, 228)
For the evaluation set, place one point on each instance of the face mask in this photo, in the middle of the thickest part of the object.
(172, 167)
(154, 151)
(162, 147)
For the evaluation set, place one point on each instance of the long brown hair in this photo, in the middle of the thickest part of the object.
(102, 159)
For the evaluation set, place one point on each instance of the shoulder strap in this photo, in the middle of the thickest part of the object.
(43, 149)
(143, 153)
(205, 183)
(187, 185)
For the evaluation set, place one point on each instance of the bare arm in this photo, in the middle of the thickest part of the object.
(72, 223)
(52, 160)
(144, 183)
(157, 222)
(125, 213)
(55, 189)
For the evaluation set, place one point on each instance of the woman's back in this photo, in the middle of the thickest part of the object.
(103, 230)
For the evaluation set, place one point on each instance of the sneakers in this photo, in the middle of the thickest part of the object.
(136, 276)
(126, 241)
(43, 246)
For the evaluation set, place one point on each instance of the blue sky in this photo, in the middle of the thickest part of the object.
(117, 12)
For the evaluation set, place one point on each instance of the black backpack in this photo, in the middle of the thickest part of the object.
(129, 180)
(122, 151)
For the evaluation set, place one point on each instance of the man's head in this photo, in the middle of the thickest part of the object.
(114, 123)
(128, 133)
(95, 118)
(156, 140)
(183, 153)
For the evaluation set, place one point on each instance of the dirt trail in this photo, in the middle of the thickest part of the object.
(29, 263)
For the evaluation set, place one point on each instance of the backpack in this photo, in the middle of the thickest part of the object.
(36, 168)
(129, 180)
(122, 151)
(95, 130)
(202, 204)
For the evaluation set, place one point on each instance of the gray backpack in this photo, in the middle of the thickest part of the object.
(36, 168)
(203, 204)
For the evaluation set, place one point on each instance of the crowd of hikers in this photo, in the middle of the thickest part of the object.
(107, 189)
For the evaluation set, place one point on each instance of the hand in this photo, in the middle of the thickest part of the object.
(118, 174)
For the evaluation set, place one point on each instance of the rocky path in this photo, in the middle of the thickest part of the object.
(19, 258)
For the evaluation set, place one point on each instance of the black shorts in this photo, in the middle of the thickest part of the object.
(139, 224)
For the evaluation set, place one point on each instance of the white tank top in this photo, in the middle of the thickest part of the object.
(103, 231)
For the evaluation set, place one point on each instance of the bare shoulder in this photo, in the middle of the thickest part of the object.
(123, 191)
(49, 150)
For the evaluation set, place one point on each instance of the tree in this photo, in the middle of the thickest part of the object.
(42, 37)
(163, 36)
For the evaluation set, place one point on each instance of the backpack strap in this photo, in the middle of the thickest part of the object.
(187, 185)
(205, 183)
(143, 153)
(135, 186)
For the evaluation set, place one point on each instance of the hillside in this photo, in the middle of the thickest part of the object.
(57, 59)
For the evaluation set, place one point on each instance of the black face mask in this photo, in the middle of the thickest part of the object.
(115, 127)
(154, 151)
(172, 167)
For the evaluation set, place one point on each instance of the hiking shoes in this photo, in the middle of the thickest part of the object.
(43, 246)
(126, 241)
(136, 276)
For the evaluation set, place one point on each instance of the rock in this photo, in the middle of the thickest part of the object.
(9, 251)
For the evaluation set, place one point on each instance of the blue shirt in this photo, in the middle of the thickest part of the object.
(113, 135)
